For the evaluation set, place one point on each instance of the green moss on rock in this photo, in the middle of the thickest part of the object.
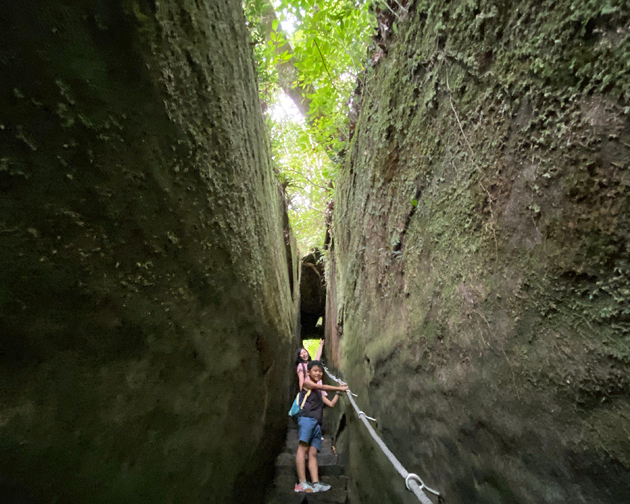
(490, 316)
(146, 317)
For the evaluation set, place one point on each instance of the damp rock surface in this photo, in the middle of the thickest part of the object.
(312, 293)
(478, 280)
(146, 313)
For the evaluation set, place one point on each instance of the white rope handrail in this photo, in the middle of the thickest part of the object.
(412, 480)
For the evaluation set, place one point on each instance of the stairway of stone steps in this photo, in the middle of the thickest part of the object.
(330, 471)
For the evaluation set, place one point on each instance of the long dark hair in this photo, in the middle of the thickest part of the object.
(297, 356)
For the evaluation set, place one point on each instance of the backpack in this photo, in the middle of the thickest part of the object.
(295, 407)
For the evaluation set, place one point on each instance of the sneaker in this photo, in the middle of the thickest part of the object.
(320, 487)
(304, 487)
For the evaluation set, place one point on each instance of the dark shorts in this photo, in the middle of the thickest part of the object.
(310, 432)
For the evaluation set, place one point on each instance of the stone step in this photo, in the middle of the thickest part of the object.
(283, 492)
(330, 471)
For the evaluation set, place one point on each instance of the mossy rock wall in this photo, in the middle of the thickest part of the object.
(146, 315)
(479, 294)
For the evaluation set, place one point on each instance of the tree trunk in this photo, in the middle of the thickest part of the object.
(288, 75)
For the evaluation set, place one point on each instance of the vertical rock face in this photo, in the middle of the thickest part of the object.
(146, 318)
(479, 289)
(312, 294)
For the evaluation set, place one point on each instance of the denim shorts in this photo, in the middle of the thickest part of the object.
(310, 432)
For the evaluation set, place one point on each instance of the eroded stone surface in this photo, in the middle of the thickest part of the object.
(478, 285)
(146, 318)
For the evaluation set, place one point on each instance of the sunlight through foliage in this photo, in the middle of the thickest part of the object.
(308, 54)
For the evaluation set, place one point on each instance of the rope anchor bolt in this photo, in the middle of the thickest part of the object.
(361, 413)
(416, 478)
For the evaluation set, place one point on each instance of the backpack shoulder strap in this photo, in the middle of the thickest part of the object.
(308, 392)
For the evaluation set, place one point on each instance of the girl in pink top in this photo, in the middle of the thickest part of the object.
(302, 357)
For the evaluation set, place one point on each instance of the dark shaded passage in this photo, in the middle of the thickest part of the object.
(331, 471)
(312, 296)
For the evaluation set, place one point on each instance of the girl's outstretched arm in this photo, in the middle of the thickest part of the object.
(318, 354)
